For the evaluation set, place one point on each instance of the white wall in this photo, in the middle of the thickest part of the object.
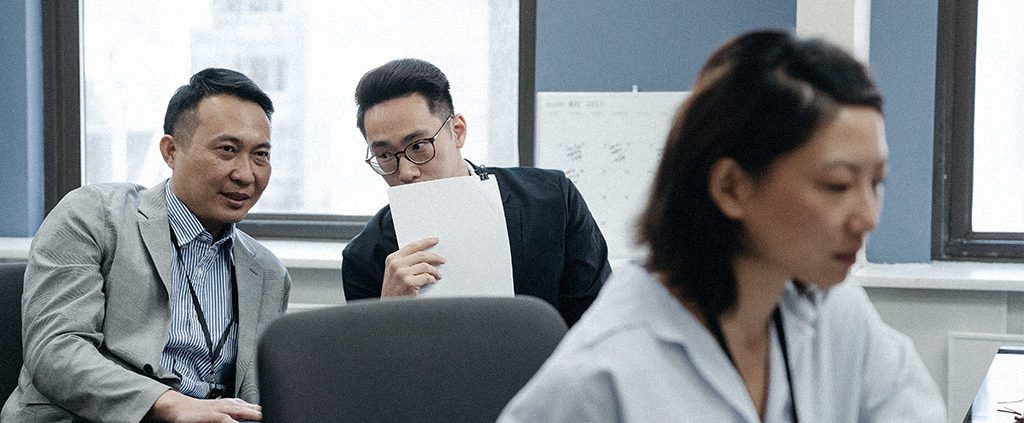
(846, 23)
(930, 316)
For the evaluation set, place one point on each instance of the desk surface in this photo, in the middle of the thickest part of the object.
(1003, 389)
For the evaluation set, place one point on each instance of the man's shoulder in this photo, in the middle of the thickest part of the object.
(373, 232)
(259, 251)
(108, 192)
(100, 202)
(528, 173)
(531, 182)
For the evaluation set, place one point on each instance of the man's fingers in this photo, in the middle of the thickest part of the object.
(419, 269)
(426, 257)
(238, 409)
(409, 268)
(398, 264)
(244, 412)
(411, 254)
(418, 245)
(423, 280)
(412, 276)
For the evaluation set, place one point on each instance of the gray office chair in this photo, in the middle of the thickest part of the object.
(413, 360)
(12, 276)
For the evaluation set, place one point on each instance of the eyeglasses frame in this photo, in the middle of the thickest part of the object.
(398, 160)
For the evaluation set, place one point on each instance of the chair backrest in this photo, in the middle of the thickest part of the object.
(422, 360)
(12, 276)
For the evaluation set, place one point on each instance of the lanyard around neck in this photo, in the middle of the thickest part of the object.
(214, 352)
(716, 330)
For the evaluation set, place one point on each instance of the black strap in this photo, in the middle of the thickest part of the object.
(215, 352)
(716, 331)
(781, 333)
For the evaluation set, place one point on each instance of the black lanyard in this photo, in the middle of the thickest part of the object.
(215, 352)
(716, 330)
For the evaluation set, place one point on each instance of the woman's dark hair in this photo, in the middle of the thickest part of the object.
(760, 96)
(180, 119)
(399, 78)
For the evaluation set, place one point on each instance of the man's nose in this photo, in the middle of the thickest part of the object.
(242, 171)
(407, 170)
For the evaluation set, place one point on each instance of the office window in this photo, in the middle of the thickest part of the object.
(980, 131)
(308, 56)
(998, 188)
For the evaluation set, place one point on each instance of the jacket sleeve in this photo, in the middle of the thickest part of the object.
(362, 264)
(63, 310)
(586, 257)
(276, 296)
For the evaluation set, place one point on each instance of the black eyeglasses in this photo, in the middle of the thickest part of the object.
(1017, 416)
(419, 152)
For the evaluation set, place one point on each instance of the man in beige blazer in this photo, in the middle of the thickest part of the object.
(112, 314)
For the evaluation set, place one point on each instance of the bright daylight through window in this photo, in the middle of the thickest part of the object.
(998, 190)
(308, 56)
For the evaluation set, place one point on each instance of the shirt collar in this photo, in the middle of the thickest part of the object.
(186, 227)
(670, 321)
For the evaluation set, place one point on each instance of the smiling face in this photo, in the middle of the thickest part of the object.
(809, 215)
(221, 170)
(394, 124)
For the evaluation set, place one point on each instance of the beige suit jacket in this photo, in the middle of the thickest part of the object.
(96, 312)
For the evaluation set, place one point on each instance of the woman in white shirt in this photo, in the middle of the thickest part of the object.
(769, 182)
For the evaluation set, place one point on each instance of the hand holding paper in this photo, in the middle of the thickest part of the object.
(410, 268)
(472, 253)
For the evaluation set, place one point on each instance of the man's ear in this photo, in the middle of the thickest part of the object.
(730, 188)
(458, 124)
(168, 148)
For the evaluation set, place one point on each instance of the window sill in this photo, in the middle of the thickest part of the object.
(14, 249)
(944, 275)
(324, 255)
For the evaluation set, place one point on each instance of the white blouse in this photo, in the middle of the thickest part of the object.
(638, 356)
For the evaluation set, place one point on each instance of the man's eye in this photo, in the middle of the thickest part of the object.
(837, 187)
(383, 157)
(228, 148)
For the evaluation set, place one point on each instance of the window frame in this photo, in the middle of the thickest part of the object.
(62, 123)
(952, 235)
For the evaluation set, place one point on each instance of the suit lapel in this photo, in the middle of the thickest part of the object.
(249, 276)
(514, 226)
(156, 231)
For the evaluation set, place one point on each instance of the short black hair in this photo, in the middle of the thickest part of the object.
(399, 78)
(760, 96)
(180, 119)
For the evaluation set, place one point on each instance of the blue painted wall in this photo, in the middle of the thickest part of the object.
(658, 45)
(903, 37)
(21, 125)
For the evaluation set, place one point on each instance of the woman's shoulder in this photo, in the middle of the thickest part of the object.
(632, 321)
(842, 315)
(610, 324)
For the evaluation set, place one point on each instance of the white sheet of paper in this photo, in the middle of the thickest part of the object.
(466, 215)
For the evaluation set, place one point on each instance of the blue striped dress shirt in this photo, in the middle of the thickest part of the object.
(207, 263)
